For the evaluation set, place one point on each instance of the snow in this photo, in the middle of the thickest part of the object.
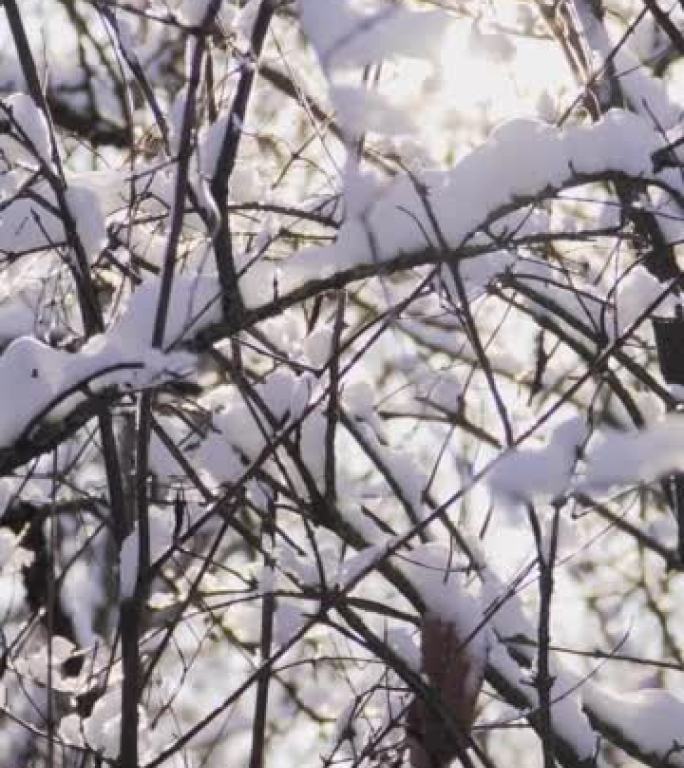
(360, 110)
(35, 376)
(344, 35)
(317, 346)
(194, 12)
(211, 141)
(193, 305)
(362, 562)
(610, 459)
(568, 717)
(524, 474)
(635, 455)
(651, 719)
(433, 571)
(645, 94)
(490, 44)
(30, 126)
(128, 565)
(636, 292)
(497, 174)
(84, 206)
(28, 225)
(82, 596)
(385, 219)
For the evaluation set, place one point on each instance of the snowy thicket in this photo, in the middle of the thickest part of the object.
(341, 362)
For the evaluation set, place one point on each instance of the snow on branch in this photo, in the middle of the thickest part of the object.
(43, 383)
(521, 161)
(396, 231)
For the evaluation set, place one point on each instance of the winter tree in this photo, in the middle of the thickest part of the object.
(341, 355)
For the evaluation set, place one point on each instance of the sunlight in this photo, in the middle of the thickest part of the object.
(486, 68)
(477, 78)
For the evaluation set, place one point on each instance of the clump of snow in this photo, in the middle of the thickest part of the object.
(35, 378)
(84, 206)
(30, 130)
(651, 719)
(636, 455)
(523, 474)
(161, 524)
(35, 666)
(345, 33)
(359, 398)
(359, 564)
(128, 565)
(436, 573)
(102, 729)
(490, 44)
(638, 290)
(360, 110)
(317, 346)
(194, 304)
(523, 158)
(194, 13)
(567, 713)
(82, 596)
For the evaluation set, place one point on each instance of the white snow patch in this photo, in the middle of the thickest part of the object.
(636, 455)
(345, 33)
